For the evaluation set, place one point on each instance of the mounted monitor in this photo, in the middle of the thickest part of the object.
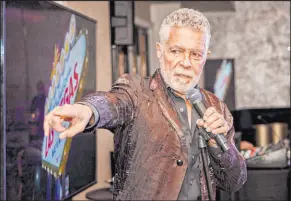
(50, 61)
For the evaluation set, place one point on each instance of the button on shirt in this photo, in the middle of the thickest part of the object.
(190, 189)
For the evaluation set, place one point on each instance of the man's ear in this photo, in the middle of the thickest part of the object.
(208, 53)
(159, 50)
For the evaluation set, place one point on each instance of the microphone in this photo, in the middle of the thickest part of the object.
(194, 96)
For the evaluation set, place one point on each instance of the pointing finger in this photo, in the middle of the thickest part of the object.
(56, 124)
(65, 111)
(72, 130)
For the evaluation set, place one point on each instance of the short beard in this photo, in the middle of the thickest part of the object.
(180, 88)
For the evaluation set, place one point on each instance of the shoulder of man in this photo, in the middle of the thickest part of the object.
(210, 97)
(130, 82)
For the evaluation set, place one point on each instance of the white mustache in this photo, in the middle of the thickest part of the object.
(185, 74)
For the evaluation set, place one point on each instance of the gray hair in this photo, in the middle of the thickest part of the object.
(184, 17)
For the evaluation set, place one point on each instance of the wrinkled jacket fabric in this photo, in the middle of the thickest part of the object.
(149, 140)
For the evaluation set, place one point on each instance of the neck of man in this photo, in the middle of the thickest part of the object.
(182, 95)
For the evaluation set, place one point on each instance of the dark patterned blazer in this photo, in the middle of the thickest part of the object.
(149, 140)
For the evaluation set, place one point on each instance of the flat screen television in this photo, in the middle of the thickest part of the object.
(2, 104)
(49, 61)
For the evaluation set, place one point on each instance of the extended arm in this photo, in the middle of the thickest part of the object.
(114, 108)
(110, 110)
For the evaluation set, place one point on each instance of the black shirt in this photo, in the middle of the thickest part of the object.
(190, 189)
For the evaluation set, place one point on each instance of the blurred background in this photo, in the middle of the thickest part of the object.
(249, 69)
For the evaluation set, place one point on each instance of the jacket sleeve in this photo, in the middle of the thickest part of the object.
(114, 108)
(229, 168)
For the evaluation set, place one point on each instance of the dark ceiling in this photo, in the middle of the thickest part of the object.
(206, 6)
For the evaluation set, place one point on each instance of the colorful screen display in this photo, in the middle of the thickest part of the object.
(65, 84)
(50, 61)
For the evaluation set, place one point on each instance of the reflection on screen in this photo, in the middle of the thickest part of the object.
(50, 61)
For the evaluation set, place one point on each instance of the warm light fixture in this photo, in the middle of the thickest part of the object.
(288, 48)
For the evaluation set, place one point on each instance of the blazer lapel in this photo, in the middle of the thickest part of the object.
(166, 105)
(209, 101)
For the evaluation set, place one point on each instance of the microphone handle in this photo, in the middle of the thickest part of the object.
(221, 141)
(200, 108)
(219, 138)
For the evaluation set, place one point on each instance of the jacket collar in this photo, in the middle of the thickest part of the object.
(166, 105)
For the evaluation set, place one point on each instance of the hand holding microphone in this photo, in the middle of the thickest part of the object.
(211, 120)
(215, 124)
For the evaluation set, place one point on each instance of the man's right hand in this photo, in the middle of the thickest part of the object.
(77, 114)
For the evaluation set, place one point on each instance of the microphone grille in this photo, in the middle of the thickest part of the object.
(193, 95)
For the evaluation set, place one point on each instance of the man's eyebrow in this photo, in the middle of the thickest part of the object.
(177, 46)
(192, 49)
(197, 50)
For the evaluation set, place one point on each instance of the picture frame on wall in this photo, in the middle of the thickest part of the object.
(219, 78)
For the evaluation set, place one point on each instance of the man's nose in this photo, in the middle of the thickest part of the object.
(186, 62)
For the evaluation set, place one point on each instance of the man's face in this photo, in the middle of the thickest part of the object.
(182, 57)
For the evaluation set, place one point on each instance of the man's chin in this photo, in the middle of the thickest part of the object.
(178, 85)
(180, 88)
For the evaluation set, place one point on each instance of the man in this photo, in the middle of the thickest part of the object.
(37, 106)
(154, 126)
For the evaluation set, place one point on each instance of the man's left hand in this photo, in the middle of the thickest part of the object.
(213, 122)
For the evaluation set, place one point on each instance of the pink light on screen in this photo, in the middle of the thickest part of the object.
(30, 17)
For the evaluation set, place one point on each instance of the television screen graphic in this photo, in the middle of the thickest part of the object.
(50, 61)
